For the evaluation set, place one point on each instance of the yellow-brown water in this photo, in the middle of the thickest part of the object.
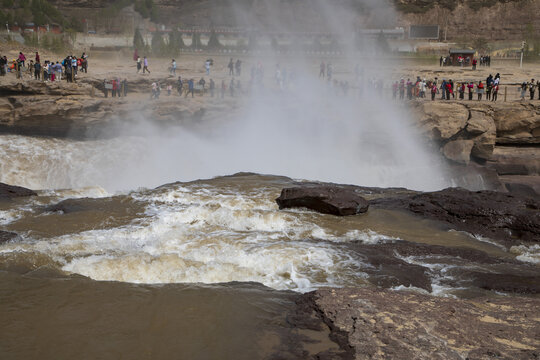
(176, 271)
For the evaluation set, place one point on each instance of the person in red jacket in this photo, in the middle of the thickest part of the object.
(474, 62)
(480, 90)
(470, 87)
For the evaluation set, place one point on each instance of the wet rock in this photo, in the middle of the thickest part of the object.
(6, 236)
(474, 177)
(383, 324)
(508, 283)
(506, 217)
(10, 191)
(390, 268)
(522, 185)
(326, 199)
(458, 150)
(70, 206)
(386, 270)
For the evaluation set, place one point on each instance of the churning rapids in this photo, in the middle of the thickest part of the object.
(214, 231)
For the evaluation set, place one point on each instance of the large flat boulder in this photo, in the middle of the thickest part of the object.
(10, 191)
(441, 121)
(326, 199)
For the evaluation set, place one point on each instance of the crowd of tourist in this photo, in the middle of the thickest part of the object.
(485, 60)
(448, 89)
(68, 68)
(46, 70)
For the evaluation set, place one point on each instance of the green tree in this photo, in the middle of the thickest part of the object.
(382, 43)
(174, 43)
(213, 42)
(158, 44)
(196, 40)
(138, 41)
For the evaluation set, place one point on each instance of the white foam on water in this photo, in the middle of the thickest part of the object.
(9, 216)
(438, 271)
(529, 254)
(89, 191)
(193, 234)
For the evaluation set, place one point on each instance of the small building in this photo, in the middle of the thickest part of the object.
(466, 54)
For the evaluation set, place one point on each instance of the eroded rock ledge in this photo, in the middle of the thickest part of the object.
(384, 324)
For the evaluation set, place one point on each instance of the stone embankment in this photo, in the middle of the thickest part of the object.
(80, 110)
(504, 137)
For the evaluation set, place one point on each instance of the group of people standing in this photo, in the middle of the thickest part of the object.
(44, 70)
(235, 68)
(116, 86)
(485, 60)
(447, 88)
(530, 86)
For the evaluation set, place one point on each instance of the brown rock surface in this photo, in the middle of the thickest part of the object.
(441, 121)
(384, 324)
(516, 124)
(524, 185)
(508, 160)
(10, 191)
(458, 150)
(326, 199)
(509, 218)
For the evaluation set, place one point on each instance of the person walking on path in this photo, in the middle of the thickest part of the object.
(145, 65)
(523, 90)
(433, 91)
(470, 87)
(238, 67)
(223, 88)
(22, 58)
(138, 64)
(231, 67)
(212, 87)
(532, 88)
(179, 85)
(207, 67)
(173, 67)
(37, 70)
(495, 92)
(191, 88)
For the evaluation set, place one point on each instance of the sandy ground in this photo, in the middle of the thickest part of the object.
(106, 65)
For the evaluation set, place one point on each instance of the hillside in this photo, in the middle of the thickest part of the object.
(493, 20)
